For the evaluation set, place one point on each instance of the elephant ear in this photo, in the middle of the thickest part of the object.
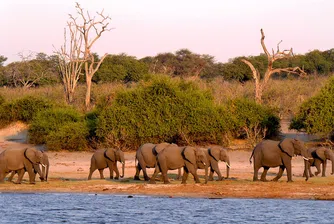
(110, 154)
(190, 154)
(321, 153)
(215, 153)
(286, 146)
(119, 155)
(33, 155)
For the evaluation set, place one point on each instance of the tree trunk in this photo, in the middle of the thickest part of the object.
(88, 90)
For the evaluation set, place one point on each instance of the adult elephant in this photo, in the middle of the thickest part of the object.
(146, 157)
(319, 156)
(104, 158)
(45, 169)
(21, 160)
(215, 154)
(270, 153)
(174, 157)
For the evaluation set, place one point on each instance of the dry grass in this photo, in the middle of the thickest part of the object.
(285, 95)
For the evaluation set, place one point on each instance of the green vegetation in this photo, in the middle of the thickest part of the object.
(59, 128)
(176, 111)
(316, 115)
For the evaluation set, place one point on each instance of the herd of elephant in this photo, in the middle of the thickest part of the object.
(166, 156)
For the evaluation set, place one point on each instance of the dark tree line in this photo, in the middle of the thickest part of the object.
(43, 69)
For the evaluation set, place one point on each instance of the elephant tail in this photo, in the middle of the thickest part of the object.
(250, 158)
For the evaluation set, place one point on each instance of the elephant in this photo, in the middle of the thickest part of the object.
(269, 153)
(146, 157)
(215, 154)
(174, 157)
(104, 158)
(21, 160)
(45, 169)
(320, 156)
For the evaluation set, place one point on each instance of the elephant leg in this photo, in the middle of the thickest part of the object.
(317, 164)
(145, 174)
(264, 174)
(156, 171)
(91, 171)
(280, 173)
(324, 165)
(178, 174)
(215, 168)
(185, 175)
(116, 170)
(138, 168)
(101, 173)
(192, 170)
(211, 174)
(20, 176)
(256, 172)
(10, 178)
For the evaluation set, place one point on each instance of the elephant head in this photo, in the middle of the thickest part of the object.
(116, 155)
(35, 157)
(45, 168)
(219, 153)
(325, 153)
(196, 156)
(295, 147)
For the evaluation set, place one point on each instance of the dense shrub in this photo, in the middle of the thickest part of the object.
(162, 110)
(2, 100)
(253, 121)
(317, 114)
(59, 128)
(22, 109)
(176, 111)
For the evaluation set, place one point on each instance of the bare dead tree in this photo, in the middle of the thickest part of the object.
(86, 26)
(70, 61)
(260, 83)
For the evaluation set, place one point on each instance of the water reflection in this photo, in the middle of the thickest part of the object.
(101, 208)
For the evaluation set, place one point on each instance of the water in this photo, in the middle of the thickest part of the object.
(102, 208)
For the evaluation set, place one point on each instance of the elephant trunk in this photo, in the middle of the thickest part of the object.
(228, 166)
(45, 172)
(306, 165)
(123, 168)
(332, 160)
(206, 172)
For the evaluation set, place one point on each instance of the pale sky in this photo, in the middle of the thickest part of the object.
(222, 28)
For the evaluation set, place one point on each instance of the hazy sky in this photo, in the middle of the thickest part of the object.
(221, 28)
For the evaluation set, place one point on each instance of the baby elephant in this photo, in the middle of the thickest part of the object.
(104, 158)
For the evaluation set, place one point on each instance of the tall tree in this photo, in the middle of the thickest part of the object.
(261, 81)
(70, 62)
(91, 29)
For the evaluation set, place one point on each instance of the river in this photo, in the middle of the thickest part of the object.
(105, 208)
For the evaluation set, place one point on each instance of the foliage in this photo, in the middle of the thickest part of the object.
(120, 68)
(176, 111)
(316, 115)
(161, 110)
(22, 109)
(59, 128)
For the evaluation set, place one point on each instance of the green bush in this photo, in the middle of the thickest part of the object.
(70, 136)
(161, 110)
(59, 128)
(22, 109)
(253, 121)
(317, 114)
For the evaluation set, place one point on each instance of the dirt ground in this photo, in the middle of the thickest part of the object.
(69, 171)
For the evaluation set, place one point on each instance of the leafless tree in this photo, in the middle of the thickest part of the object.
(260, 83)
(91, 29)
(70, 61)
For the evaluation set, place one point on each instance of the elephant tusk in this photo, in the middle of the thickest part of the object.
(228, 165)
(204, 164)
(43, 165)
(305, 158)
(123, 162)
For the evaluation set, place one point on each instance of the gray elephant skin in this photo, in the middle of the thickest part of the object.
(319, 156)
(104, 158)
(174, 157)
(215, 154)
(269, 153)
(45, 169)
(146, 157)
(21, 160)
